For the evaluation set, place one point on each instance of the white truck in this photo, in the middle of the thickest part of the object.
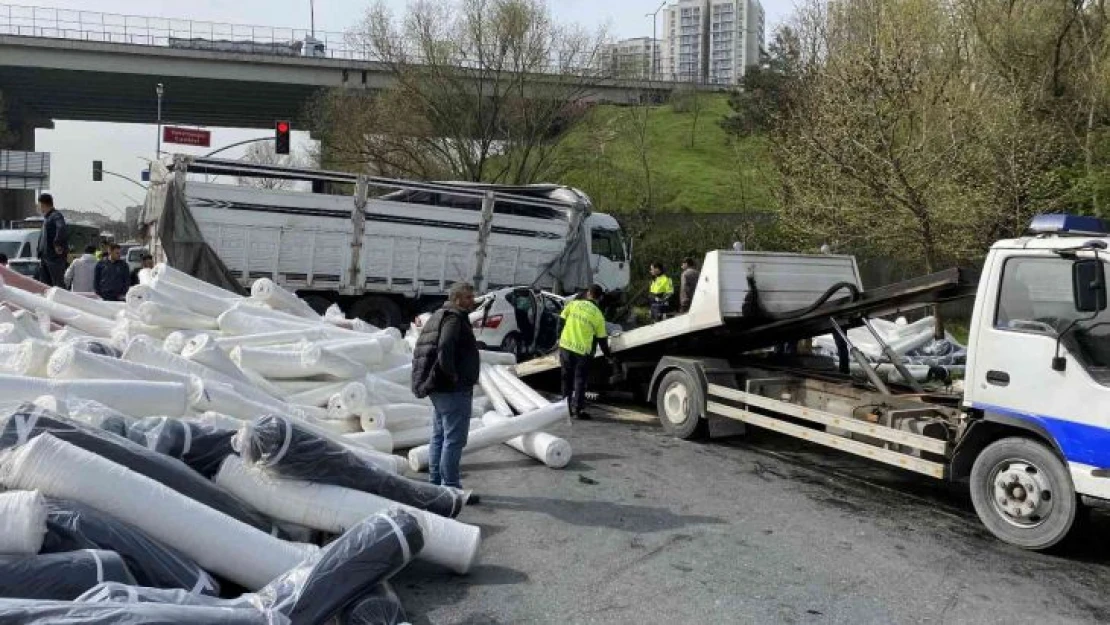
(385, 258)
(1029, 433)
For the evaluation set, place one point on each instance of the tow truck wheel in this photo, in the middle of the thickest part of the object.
(677, 403)
(1023, 493)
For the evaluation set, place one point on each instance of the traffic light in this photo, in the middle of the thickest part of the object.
(281, 137)
(98, 171)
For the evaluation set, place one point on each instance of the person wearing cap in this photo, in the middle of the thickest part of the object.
(581, 325)
(53, 244)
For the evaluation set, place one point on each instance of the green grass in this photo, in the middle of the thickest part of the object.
(699, 169)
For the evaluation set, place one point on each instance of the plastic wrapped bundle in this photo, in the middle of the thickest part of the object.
(72, 526)
(59, 576)
(202, 348)
(70, 363)
(200, 303)
(380, 606)
(281, 447)
(396, 417)
(96, 346)
(32, 358)
(367, 352)
(401, 374)
(381, 440)
(176, 340)
(520, 401)
(8, 352)
(32, 422)
(83, 321)
(496, 434)
(291, 364)
(10, 334)
(141, 294)
(22, 522)
(29, 324)
(334, 509)
(551, 450)
(279, 337)
(217, 542)
(496, 358)
(496, 397)
(381, 392)
(164, 273)
(202, 447)
(100, 308)
(227, 399)
(27, 612)
(132, 397)
(266, 291)
(537, 400)
(318, 395)
(88, 412)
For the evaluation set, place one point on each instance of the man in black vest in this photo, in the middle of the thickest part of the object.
(53, 244)
(445, 368)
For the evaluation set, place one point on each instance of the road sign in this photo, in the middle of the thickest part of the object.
(187, 136)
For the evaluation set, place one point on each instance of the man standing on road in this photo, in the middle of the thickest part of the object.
(81, 275)
(112, 277)
(445, 368)
(148, 263)
(687, 284)
(580, 325)
(52, 244)
(660, 292)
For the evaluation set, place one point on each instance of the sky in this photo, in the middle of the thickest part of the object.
(124, 148)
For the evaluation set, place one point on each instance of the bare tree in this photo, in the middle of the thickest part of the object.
(482, 90)
(262, 153)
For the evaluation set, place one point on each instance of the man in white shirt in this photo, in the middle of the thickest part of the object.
(81, 275)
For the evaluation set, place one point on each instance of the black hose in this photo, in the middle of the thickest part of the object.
(754, 308)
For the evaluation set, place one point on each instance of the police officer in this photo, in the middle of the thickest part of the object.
(660, 292)
(580, 324)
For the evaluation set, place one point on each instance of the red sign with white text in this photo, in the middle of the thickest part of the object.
(187, 136)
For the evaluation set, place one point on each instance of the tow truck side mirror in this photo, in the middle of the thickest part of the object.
(1088, 285)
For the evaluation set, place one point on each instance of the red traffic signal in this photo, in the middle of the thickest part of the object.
(281, 137)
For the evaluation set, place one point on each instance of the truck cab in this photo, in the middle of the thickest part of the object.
(609, 253)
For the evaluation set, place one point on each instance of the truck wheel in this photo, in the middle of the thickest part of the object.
(1023, 493)
(380, 312)
(678, 403)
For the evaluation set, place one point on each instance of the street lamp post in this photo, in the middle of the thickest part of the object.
(654, 40)
(158, 89)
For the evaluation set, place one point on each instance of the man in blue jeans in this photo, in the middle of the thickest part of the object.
(445, 369)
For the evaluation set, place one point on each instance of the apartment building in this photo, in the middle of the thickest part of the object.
(631, 58)
(711, 41)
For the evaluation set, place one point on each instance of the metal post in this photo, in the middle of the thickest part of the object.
(158, 144)
(483, 238)
(358, 223)
(654, 39)
(312, 17)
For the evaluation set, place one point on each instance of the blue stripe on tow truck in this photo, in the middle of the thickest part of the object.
(1080, 442)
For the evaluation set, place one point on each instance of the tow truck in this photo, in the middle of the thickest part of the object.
(1028, 433)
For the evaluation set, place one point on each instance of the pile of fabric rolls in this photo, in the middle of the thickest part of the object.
(198, 456)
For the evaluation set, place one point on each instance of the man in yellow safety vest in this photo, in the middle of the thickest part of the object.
(660, 292)
(580, 325)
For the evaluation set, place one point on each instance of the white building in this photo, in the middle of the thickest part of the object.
(631, 58)
(711, 41)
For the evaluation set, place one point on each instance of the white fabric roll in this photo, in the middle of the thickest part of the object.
(496, 434)
(27, 323)
(447, 542)
(141, 294)
(200, 303)
(381, 440)
(383, 392)
(293, 387)
(8, 353)
(224, 398)
(83, 321)
(84, 410)
(217, 542)
(344, 426)
(127, 328)
(100, 308)
(325, 362)
(70, 363)
(132, 397)
(11, 334)
(396, 417)
(220, 420)
(202, 348)
(415, 437)
(155, 314)
(317, 395)
(280, 337)
(32, 358)
(164, 273)
(354, 396)
(267, 291)
(493, 393)
(529, 393)
(271, 363)
(518, 400)
(496, 358)
(551, 450)
(368, 352)
(22, 522)
(398, 375)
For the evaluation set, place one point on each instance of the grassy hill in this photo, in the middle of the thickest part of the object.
(693, 164)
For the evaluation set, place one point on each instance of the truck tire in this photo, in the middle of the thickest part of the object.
(378, 311)
(678, 403)
(1023, 493)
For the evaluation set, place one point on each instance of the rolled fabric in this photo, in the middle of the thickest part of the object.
(202, 348)
(334, 509)
(492, 392)
(381, 392)
(280, 337)
(325, 362)
(381, 440)
(37, 611)
(70, 363)
(496, 358)
(551, 450)
(20, 281)
(131, 397)
(397, 375)
(267, 291)
(98, 307)
(200, 303)
(220, 420)
(156, 314)
(225, 398)
(89, 324)
(22, 522)
(88, 412)
(396, 417)
(72, 526)
(520, 402)
(537, 400)
(217, 542)
(164, 273)
(176, 340)
(8, 353)
(380, 606)
(415, 437)
(60, 576)
(30, 422)
(271, 363)
(127, 328)
(32, 358)
(11, 334)
(367, 352)
(26, 321)
(141, 294)
(203, 447)
(318, 395)
(281, 447)
(495, 434)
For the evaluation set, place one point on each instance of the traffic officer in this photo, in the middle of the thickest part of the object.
(661, 291)
(580, 324)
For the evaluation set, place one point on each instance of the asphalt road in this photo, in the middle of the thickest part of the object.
(643, 528)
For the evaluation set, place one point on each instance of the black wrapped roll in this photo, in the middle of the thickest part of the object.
(22, 612)
(283, 447)
(29, 421)
(60, 576)
(365, 555)
(201, 446)
(71, 526)
(380, 606)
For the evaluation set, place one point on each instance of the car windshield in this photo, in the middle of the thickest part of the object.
(10, 248)
(608, 243)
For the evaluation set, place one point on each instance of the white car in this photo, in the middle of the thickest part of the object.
(517, 320)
